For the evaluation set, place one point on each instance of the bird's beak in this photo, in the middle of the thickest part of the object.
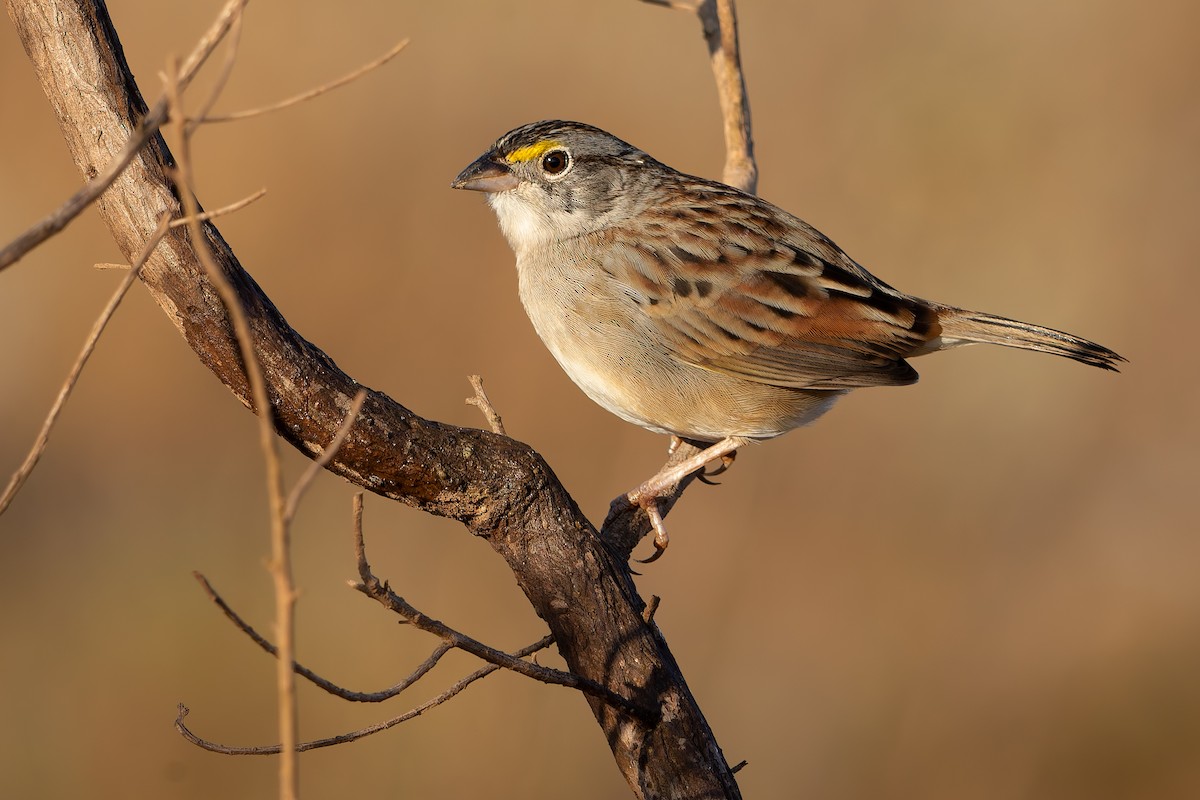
(486, 174)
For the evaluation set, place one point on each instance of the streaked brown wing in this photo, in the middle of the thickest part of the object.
(755, 293)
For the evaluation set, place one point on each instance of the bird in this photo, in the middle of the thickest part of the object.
(697, 310)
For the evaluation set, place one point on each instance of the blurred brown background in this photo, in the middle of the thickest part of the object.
(983, 586)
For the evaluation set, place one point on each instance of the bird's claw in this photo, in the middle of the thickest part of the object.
(706, 476)
(661, 539)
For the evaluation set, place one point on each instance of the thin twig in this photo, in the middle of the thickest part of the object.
(454, 689)
(300, 98)
(149, 125)
(718, 18)
(678, 5)
(39, 445)
(230, 14)
(231, 54)
(203, 217)
(58, 219)
(229, 209)
(481, 401)
(320, 462)
(280, 565)
(322, 683)
(740, 169)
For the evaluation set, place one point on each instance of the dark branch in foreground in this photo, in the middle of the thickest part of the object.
(500, 489)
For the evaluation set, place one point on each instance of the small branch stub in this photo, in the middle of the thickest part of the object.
(481, 401)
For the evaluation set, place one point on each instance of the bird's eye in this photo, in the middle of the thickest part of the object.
(555, 162)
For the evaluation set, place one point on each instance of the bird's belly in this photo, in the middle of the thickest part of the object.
(696, 403)
(623, 370)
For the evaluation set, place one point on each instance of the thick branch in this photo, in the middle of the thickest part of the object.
(499, 488)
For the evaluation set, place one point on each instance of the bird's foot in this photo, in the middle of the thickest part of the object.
(647, 495)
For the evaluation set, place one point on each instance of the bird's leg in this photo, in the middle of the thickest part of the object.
(703, 477)
(646, 495)
(669, 476)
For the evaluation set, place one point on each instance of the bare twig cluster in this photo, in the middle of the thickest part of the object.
(449, 639)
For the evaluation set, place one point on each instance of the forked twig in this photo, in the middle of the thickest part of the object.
(481, 401)
(229, 18)
(361, 733)
(312, 677)
(39, 445)
(381, 592)
(451, 639)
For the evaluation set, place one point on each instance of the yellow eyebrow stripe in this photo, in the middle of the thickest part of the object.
(531, 151)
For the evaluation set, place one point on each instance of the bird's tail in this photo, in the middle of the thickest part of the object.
(960, 326)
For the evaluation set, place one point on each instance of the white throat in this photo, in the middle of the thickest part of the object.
(523, 224)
